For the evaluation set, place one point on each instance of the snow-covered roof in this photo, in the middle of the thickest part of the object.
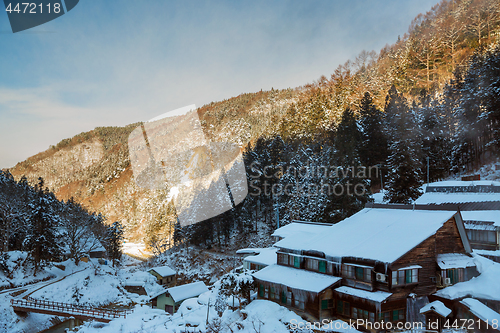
(482, 215)
(163, 270)
(494, 253)
(480, 310)
(186, 291)
(438, 307)
(265, 257)
(249, 250)
(455, 183)
(454, 260)
(296, 278)
(300, 229)
(375, 296)
(373, 233)
(442, 198)
(487, 226)
(484, 286)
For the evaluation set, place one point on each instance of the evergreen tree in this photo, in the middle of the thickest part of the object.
(435, 137)
(114, 241)
(347, 140)
(404, 176)
(373, 149)
(42, 240)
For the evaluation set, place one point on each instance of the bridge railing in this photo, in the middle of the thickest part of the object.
(68, 308)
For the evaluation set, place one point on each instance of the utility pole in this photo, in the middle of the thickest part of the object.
(208, 308)
(428, 170)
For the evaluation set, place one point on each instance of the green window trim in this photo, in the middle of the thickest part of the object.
(322, 266)
(283, 297)
(296, 262)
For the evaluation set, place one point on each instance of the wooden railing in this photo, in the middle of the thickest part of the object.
(66, 308)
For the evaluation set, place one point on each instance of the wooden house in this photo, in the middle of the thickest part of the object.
(257, 258)
(369, 266)
(171, 298)
(437, 315)
(479, 204)
(478, 316)
(165, 275)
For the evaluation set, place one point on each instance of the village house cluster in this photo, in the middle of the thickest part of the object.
(393, 263)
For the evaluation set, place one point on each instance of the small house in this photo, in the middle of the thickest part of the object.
(171, 298)
(258, 258)
(436, 315)
(165, 275)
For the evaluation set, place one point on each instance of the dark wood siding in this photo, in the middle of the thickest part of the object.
(448, 239)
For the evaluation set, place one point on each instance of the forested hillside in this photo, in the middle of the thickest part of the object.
(46, 229)
(315, 152)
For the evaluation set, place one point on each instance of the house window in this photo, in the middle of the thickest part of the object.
(404, 276)
(299, 302)
(296, 262)
(343, 308)
(356, 272)
(266, 293)
(398, 315)
(322, 266)
(261, 290)
(487, 236)
(330, 268)
(455, 274)
(384, 316)
(283, 297)
(324, 304)
(348, 271)
(272, 293)
(282, 259)
(360, 272)
(312, 264)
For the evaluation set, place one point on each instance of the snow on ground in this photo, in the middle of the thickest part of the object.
(86, 283)
(378, 197)
(192, 264)
(12, 323)
(100, 285)
(21, 276)
(484, 286)
(259, 316)
(137, 250)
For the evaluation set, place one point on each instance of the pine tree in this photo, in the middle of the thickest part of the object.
(114, 242)
(404, 167)
(373, 149)
(435, 137)
(347, 140)
(43, 240)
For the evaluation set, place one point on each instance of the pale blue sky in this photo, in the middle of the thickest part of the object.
(115, 62)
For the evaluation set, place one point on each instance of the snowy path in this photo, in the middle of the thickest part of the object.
(30, 288)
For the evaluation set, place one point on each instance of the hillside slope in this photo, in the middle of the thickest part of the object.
(94, 167)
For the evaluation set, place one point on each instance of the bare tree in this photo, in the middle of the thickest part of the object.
(78, 232)
(477, 19)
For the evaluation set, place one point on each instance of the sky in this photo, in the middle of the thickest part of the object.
(116, 62)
